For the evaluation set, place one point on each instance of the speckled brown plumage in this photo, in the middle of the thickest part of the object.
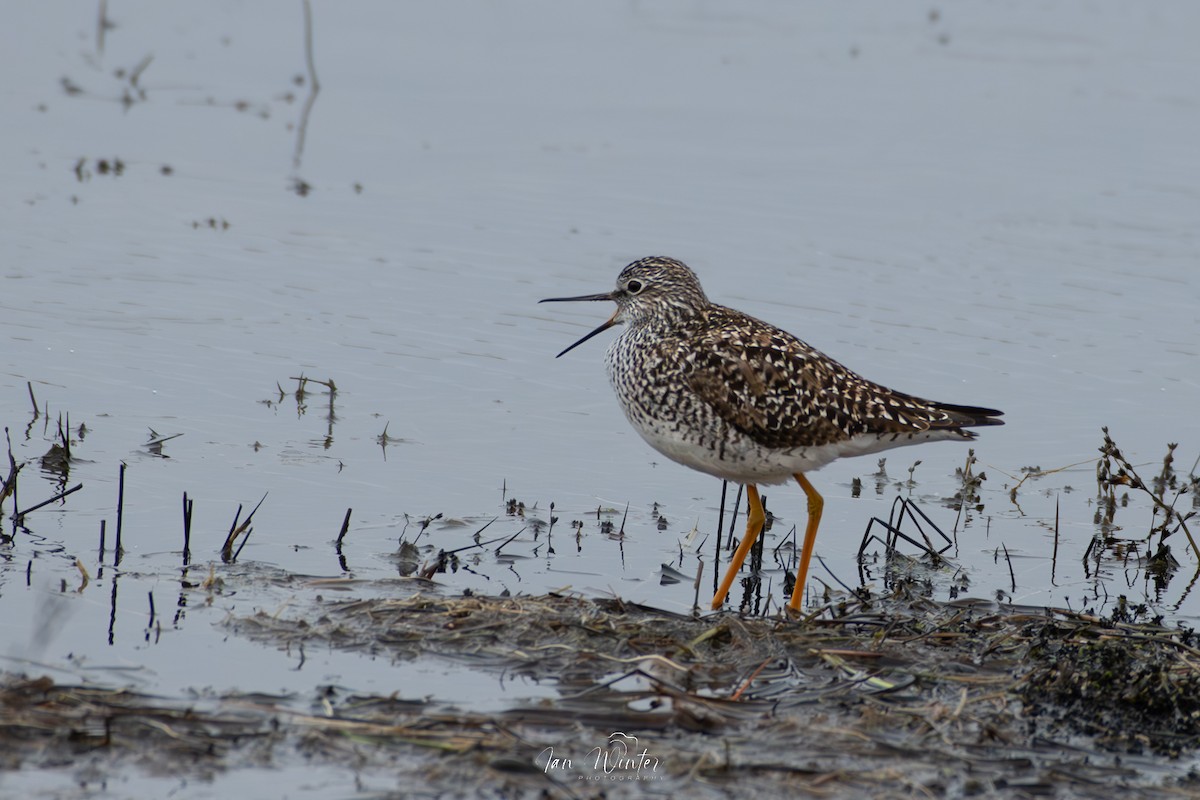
(778, 390)
(736, 397)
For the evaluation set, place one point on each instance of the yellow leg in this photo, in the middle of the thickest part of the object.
(754, 526)
(816, 504)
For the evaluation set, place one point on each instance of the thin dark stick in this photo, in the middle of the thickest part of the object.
(257, 505)
(720, 527)
(152, 612)
(246, 525)
(425, 523)
(187, 529)
(156, 440)
(737, 504)
(1012, 576)
(227, 548)
(835, 577)
(622, 531)
(329, 384)
(791, 537)
(345, 527)
(1054, 555)
(498, 549)
(135, 74)
(56, 497)
(9, 487)
(484, 544)
(117, 550)
(481, 530)
(32, 400)
(103, 525)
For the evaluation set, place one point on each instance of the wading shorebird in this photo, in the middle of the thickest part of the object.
(732, 396)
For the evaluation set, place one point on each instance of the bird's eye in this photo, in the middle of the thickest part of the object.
(633, 287)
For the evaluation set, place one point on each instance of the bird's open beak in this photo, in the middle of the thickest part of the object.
(608, 324)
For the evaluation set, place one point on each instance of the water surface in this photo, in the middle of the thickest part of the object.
(984, 205)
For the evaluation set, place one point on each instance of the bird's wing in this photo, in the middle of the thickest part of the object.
(781, 392)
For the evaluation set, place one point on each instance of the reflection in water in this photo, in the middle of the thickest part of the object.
(141, 293)
(301, 397)
(314, 87)
(112, 608)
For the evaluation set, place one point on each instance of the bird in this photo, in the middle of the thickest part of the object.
(732, 396)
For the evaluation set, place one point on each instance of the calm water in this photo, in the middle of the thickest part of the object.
(986, 205)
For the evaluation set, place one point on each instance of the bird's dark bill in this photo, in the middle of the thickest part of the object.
(602, 296)
(611, 321)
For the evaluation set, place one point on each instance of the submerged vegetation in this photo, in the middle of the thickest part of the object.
(877, 689)
(890, 696)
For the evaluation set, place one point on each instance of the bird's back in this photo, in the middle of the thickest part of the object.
(727, 389)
